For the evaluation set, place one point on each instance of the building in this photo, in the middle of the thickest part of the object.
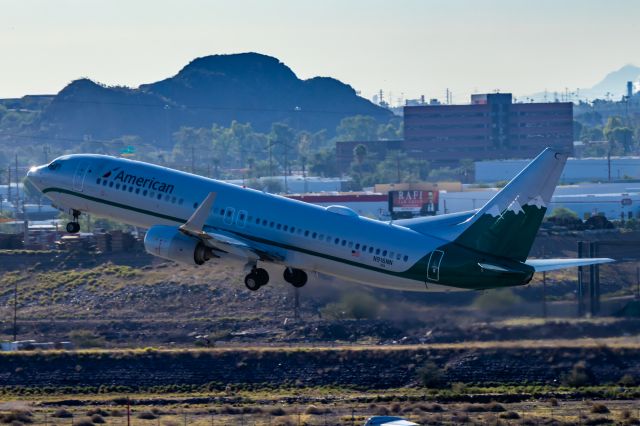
(491, 127)
(576, 170)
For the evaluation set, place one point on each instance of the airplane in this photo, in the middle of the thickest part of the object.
(192, 219)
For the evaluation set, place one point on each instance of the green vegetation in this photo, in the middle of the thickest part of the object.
(498, 301)
(355, 305)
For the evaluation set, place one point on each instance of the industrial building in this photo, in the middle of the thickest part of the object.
(490, 127)
(576, 170)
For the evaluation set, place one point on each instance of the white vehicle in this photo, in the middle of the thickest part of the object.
(192, 219)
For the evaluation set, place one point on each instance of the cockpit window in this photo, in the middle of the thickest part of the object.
(54, 165)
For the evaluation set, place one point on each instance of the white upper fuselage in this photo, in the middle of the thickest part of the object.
(334, 240)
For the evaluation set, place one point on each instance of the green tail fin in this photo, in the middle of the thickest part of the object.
(507, 225)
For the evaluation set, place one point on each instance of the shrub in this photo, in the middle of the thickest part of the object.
(357, 305)
(147, 415)
(83, 422)
(316, 411)
(430, 375)
(599, 409)
(277, 411)
(627, 380)
(497, 301)
(510, 415)
(97, 418)
(100, 411)
(62, 414)
(14, 417)
(578, 377)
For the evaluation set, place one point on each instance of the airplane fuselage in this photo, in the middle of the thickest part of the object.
(334, 240)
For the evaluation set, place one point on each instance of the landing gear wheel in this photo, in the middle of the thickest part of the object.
(295, 277)
(73, 227)
(251, 281)
(263, 276)
(256, 279)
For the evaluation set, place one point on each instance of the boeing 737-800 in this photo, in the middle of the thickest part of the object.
(192, 219)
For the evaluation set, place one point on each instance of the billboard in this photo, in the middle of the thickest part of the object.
(413, 202)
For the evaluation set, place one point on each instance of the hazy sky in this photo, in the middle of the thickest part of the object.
(413, 46)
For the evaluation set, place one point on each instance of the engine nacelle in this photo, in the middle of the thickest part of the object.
(169, 243)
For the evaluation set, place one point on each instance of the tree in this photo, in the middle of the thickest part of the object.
(357, 128)
(619, 136)
(323, 163)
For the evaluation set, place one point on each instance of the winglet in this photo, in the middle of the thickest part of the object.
(196, 222)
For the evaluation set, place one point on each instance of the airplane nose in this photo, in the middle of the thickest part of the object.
(34, 175)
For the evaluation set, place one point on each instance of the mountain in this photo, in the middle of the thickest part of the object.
(247, 87)
(614, 84)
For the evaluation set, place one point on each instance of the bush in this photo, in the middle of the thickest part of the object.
(578, 377)
(62, 414)
(430, 375)
(599, 409)
(510, 415)
(499, 301)
(147, 415)
(83, 422)
(100, 411)
(277, 411)
(14, 417)
(97, 418)
(627, 380)
(356, 305)
(317, 411)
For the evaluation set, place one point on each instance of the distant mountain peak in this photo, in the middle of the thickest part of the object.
(615, 81)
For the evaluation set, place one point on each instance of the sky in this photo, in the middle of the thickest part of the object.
(406, 48)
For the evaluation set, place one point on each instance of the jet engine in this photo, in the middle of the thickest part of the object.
(169, 243)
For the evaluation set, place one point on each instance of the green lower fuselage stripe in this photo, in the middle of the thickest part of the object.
(406, 275)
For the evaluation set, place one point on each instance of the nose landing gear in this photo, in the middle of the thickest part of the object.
(295, 277)
(74, 227)
(257, 278)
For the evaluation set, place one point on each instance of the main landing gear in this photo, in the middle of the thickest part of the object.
(295, 277)
(256, 279)
(74, 227)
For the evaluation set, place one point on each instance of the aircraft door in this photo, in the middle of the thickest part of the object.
(433, 270)
(80, 174)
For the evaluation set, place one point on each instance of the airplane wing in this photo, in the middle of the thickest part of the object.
(543, 265)
(219, 240)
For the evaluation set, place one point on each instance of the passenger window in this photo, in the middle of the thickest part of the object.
(357, 246)
(406, 258)
(279, 226)
(370, 249)
(228, 217)
(314, 235)
(377, 251)
(337, 240)
(286, 228)
(344, 243)
(242, 218)
(306, 233)
(398, 256)
(384, 253)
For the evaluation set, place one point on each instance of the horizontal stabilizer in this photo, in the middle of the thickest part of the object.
(542, 265)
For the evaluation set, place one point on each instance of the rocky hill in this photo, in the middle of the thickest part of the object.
(218, 89)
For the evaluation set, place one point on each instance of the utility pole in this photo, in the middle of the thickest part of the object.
(15, 311)
(17, 183)
(193, 159)
(544, 290)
